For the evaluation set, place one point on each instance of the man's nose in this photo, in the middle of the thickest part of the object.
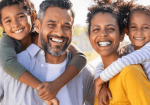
(59, 31)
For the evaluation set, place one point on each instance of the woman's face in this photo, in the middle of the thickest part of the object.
(104, 35)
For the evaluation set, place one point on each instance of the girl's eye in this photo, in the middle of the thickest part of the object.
(145, 27)
(133, 27)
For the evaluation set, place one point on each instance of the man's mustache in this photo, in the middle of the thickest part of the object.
(55, 36)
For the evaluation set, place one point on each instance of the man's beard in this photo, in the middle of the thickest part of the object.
(47, 46)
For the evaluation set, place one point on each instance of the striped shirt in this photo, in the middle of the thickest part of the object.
(141, 56)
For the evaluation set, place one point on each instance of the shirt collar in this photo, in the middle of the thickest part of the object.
(33, 49)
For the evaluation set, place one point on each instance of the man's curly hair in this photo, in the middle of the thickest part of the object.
(119, 10)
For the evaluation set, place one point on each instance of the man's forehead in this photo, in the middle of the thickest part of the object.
(56, 13)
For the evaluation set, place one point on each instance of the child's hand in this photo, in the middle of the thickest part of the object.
(104, 95)
(48, 90)
(53, 101)
(97, 85)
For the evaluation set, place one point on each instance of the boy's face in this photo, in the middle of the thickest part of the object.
(16, 22)
(139, 29)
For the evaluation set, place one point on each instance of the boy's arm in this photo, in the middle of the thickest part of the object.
(9, 63)
(136, 57)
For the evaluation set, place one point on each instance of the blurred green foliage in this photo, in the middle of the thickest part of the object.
(1, 31)
(78, 30)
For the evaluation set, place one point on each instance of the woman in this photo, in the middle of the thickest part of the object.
(106, 31)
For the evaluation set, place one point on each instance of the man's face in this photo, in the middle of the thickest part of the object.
(56, 30)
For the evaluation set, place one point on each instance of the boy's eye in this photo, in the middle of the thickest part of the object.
(8, 21)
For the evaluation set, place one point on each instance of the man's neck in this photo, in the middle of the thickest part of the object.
(55, 59)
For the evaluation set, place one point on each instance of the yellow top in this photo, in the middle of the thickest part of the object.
(129, 87)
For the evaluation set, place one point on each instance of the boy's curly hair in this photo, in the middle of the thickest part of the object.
(119, 10)
(25, 4)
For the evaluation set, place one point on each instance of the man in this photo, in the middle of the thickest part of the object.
(48, 59)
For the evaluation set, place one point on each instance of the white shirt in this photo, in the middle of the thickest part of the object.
(53, 72)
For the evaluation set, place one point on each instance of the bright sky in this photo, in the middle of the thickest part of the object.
(80, 8)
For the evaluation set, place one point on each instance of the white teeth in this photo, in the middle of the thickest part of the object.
(57, 40)
(104, 43)
(139, 38)
(18, 31)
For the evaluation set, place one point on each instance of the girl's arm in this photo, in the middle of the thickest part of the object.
(8, 60)
(136, 57)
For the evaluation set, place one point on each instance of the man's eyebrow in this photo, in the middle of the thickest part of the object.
(68, 23)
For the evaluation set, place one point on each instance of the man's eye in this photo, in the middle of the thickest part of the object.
(110, 29)
(51, 25)
(68, 27)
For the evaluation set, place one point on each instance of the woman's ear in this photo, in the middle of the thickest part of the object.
(37, 25)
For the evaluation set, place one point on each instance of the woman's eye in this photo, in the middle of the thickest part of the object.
(20, 17)
(110, 29)
(95, 30)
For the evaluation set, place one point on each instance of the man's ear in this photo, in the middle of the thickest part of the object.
(37, 25)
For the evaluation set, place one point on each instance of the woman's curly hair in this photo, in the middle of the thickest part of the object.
(119, 10)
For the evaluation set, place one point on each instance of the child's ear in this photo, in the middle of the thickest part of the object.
(37, 25)
(2, 27)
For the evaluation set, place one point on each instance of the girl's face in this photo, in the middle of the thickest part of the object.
(139, 29)
(16, 22)
(105, 37)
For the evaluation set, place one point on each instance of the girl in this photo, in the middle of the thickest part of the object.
(106, 31)
(18, 23)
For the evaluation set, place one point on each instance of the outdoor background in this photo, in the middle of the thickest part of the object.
(79, 34)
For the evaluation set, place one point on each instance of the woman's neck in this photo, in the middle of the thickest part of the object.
(26, 42)
(107, 60)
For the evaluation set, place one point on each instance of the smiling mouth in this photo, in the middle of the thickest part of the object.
(139, 38)
(107, 43)
(18, 31)
(56, 40)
